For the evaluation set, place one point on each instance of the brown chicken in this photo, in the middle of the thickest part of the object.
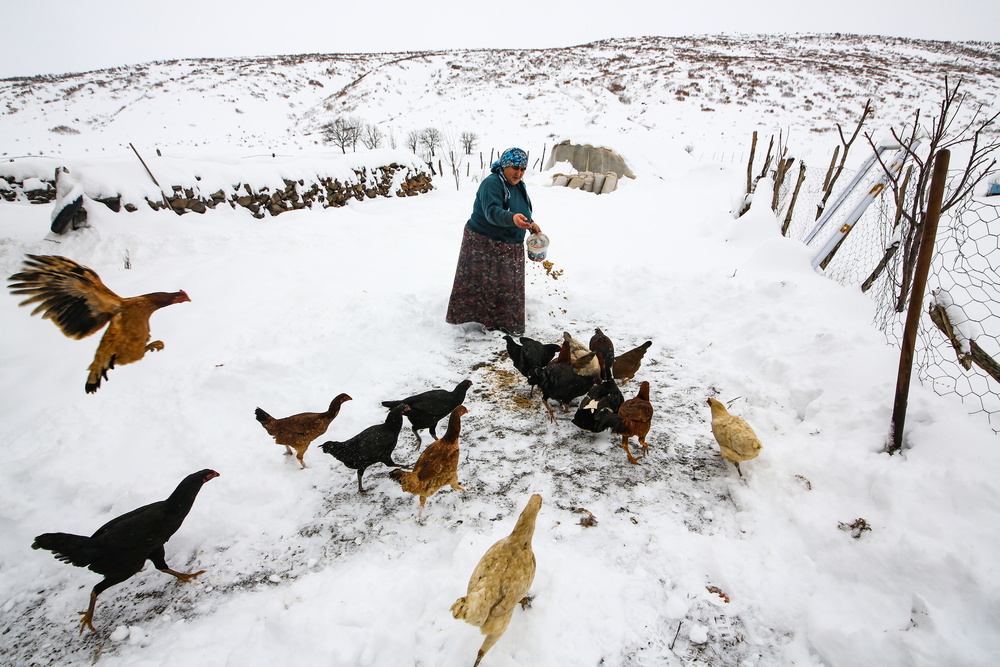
(436, 466)
(298, 431)
(501, 580)
(627, 364)
(604, 346)
(737, 441)
(634, 417)
(77, 302)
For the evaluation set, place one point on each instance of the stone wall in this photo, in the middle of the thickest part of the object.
(299, 194)
(34, 190)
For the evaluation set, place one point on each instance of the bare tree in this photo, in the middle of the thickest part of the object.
(358, 128)
(412, 141)
(469, 140)
(372, 137)
(342, 132)
(944, 131)
(430, 138)
(454, 156)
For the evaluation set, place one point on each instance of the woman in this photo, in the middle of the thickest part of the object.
(489, 279)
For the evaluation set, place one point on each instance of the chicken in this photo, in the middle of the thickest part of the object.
(436, 466)
(581, 364)
(584, 360)
(530, 353)
(430, 407)
(298, 431)
(501, 580)
(737, 441)
(627, 364)
(560, 381)
(633, 419)
(121, 547)
(603, 399)
(373, 445)
(603, 345)
(77, 302)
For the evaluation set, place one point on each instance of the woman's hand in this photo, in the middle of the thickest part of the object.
(522, 222)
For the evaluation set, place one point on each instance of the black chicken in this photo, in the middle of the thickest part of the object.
(603, 399)
(373, 445)
(558, 380)
(529, 354)
(430, 407)
(121, 547)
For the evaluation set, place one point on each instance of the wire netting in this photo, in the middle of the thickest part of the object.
(964, 275)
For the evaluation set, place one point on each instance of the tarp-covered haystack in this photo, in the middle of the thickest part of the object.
(598, 168)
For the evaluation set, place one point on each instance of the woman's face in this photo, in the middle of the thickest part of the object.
(513, 174)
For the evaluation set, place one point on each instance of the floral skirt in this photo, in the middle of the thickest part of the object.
(489, 284)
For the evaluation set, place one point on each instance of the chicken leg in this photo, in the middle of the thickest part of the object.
(548, 409)
(88, 616)
(488, 643)
(631, 459)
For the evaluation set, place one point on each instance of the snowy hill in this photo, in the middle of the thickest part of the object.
(622, 86)
(677, 561)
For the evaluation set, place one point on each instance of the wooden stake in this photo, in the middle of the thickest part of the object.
(163, 197)
(753, 149)
(928, 234)
(144, 164)
(784, 164)
(795, 195)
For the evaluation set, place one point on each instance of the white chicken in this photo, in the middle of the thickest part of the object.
(577, 351)
(737, 441)
(501, 580)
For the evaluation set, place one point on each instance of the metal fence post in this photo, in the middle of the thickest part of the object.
(929, 233)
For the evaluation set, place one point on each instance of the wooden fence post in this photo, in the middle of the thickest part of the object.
(795, 195)
(928, 234)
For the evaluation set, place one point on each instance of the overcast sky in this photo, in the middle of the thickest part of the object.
(60, 36)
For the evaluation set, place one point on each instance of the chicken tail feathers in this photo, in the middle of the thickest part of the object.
(474, 608)
(97, 373)
(262, 416)
(407, 479)
(335, 449)
(72, 549)
(459, 608)
(609, 420)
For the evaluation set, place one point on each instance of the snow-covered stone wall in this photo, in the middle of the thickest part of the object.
(263, 184)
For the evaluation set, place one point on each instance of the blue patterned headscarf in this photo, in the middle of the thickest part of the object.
(512, 157)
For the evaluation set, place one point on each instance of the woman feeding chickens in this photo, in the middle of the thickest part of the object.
(489, 278)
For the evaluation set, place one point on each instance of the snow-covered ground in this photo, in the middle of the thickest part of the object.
(688, 563)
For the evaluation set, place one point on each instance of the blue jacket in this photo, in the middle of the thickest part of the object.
(493, 211)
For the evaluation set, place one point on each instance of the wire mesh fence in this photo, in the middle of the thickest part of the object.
(955, 356)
